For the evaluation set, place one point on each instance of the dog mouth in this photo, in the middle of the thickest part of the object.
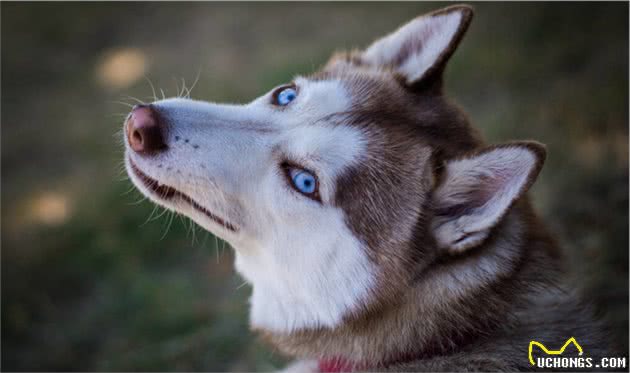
(165, 192)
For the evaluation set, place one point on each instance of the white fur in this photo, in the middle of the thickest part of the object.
(301, 366)
(306, 267)
(430, 35)
(488, 183)
(312, 274)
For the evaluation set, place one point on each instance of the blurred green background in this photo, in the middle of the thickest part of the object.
(89, 284)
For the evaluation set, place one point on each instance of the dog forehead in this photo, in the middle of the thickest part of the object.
(321, 137)
(330, 147)
(323, 98)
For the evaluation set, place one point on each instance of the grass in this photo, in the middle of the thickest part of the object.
(88, 285)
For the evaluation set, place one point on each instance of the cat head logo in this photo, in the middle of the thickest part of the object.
(553, 352)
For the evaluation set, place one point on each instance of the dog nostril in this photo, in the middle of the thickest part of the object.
(137, 137)
(145, 132)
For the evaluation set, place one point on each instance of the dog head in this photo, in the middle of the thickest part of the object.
(335, 189)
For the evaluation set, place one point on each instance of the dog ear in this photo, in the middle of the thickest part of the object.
(421, 48)
(477, 191)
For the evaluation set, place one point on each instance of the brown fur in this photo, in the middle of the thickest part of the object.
(431, 310)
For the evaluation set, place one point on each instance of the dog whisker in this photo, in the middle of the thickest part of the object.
(195, 82)
(152, 87)
(183, 88)
(241, 285)
(138, 201)
(135, 99)
(168, 226)
(216, 247)
(150, 215)
(164, 211)
(123, 103)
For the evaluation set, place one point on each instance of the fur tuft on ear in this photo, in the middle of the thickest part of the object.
(477, 191)
(421, 47)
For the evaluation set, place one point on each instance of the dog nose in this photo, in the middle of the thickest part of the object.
(144, 130)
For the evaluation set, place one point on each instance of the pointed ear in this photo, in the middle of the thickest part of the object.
(422, 47)
(477, 191)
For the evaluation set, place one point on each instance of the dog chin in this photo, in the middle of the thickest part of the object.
(174, 199)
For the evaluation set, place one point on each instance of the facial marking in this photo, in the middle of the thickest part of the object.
(318, 99)
(308, 269)
(227, 158)
(324, 148)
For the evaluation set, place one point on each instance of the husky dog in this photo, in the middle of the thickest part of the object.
(377, 229)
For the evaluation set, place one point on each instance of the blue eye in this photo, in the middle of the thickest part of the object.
(304, 181)
(285, 95)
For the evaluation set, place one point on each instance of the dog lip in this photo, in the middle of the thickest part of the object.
(166, 192)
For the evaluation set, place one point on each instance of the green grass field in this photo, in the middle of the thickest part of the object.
(89, 282)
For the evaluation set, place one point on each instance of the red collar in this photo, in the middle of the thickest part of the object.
(337, 365)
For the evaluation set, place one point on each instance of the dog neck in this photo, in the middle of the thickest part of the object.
(307, 291)
(452, 303)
